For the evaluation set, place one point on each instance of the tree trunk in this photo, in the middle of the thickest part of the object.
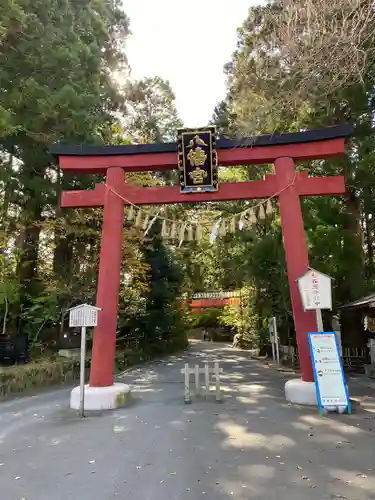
(354, 284)
(28, 266)
(7, 173)
(369, 241)
(63, 253)
(64, 243)
(32, 174)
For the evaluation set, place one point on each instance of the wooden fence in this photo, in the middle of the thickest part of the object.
(354, 358)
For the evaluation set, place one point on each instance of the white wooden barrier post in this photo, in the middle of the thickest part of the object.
(217, 377)
(187, 383)
(196, 371)
(83, 316)
(207, 378)
(197, 381)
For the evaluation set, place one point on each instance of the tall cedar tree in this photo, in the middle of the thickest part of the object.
(161, 320)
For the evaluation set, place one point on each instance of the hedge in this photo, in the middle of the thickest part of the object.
(58, 370)
(45, 372)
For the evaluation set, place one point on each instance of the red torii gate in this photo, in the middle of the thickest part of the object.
(205, 300)
(115, 161)
(203, 304)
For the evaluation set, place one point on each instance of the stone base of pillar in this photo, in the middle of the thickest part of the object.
(101, 398)
(300, 392)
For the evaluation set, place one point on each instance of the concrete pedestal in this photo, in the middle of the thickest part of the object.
(304, 393)
(101, 398)
(300, 392)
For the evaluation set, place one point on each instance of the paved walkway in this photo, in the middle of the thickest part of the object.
(252, 446)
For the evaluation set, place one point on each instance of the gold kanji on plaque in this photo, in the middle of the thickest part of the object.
(197, 159)
(198, 176)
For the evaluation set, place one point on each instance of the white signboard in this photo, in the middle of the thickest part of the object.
(331, 389)
(83, 315)
(272, 328)
(316, 290)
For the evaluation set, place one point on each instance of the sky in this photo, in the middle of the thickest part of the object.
(188, 44)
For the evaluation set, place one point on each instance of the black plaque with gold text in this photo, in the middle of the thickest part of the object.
(197, 159)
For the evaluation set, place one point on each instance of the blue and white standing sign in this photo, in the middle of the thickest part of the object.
(331, 389)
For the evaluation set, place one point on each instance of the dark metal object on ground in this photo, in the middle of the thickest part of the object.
(13, 349)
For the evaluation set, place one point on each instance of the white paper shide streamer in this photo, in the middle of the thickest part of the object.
(171, 230)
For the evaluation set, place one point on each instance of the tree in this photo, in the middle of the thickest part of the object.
(152, 111)
(12, 19)
(57, 84)
(162, 319)
(306, 53)
(60, 66)
(153, 118)
(326, 46)
(277, 86)
(262, 84)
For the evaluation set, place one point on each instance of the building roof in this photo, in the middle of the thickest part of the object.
(368, 300)
(336, 132)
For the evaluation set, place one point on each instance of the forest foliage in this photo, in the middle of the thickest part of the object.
(65, 77)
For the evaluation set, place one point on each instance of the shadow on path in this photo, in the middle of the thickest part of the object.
(252, 446)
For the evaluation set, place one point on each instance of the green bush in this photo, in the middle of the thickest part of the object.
(38, 374)
(126, 358)
(55, 371)
(205, 319)
(243, 319)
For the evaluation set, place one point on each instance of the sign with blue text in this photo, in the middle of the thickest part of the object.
(331, 389)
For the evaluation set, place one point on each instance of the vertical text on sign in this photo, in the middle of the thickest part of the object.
(83, 315)
(315, 289)
(197, 159)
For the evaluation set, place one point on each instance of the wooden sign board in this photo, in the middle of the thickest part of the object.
(316, 290)
(83, 316)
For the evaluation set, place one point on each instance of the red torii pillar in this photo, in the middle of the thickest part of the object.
(104, 345)
(286, 183)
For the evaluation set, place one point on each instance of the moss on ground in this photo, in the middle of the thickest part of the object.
(122, 399)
